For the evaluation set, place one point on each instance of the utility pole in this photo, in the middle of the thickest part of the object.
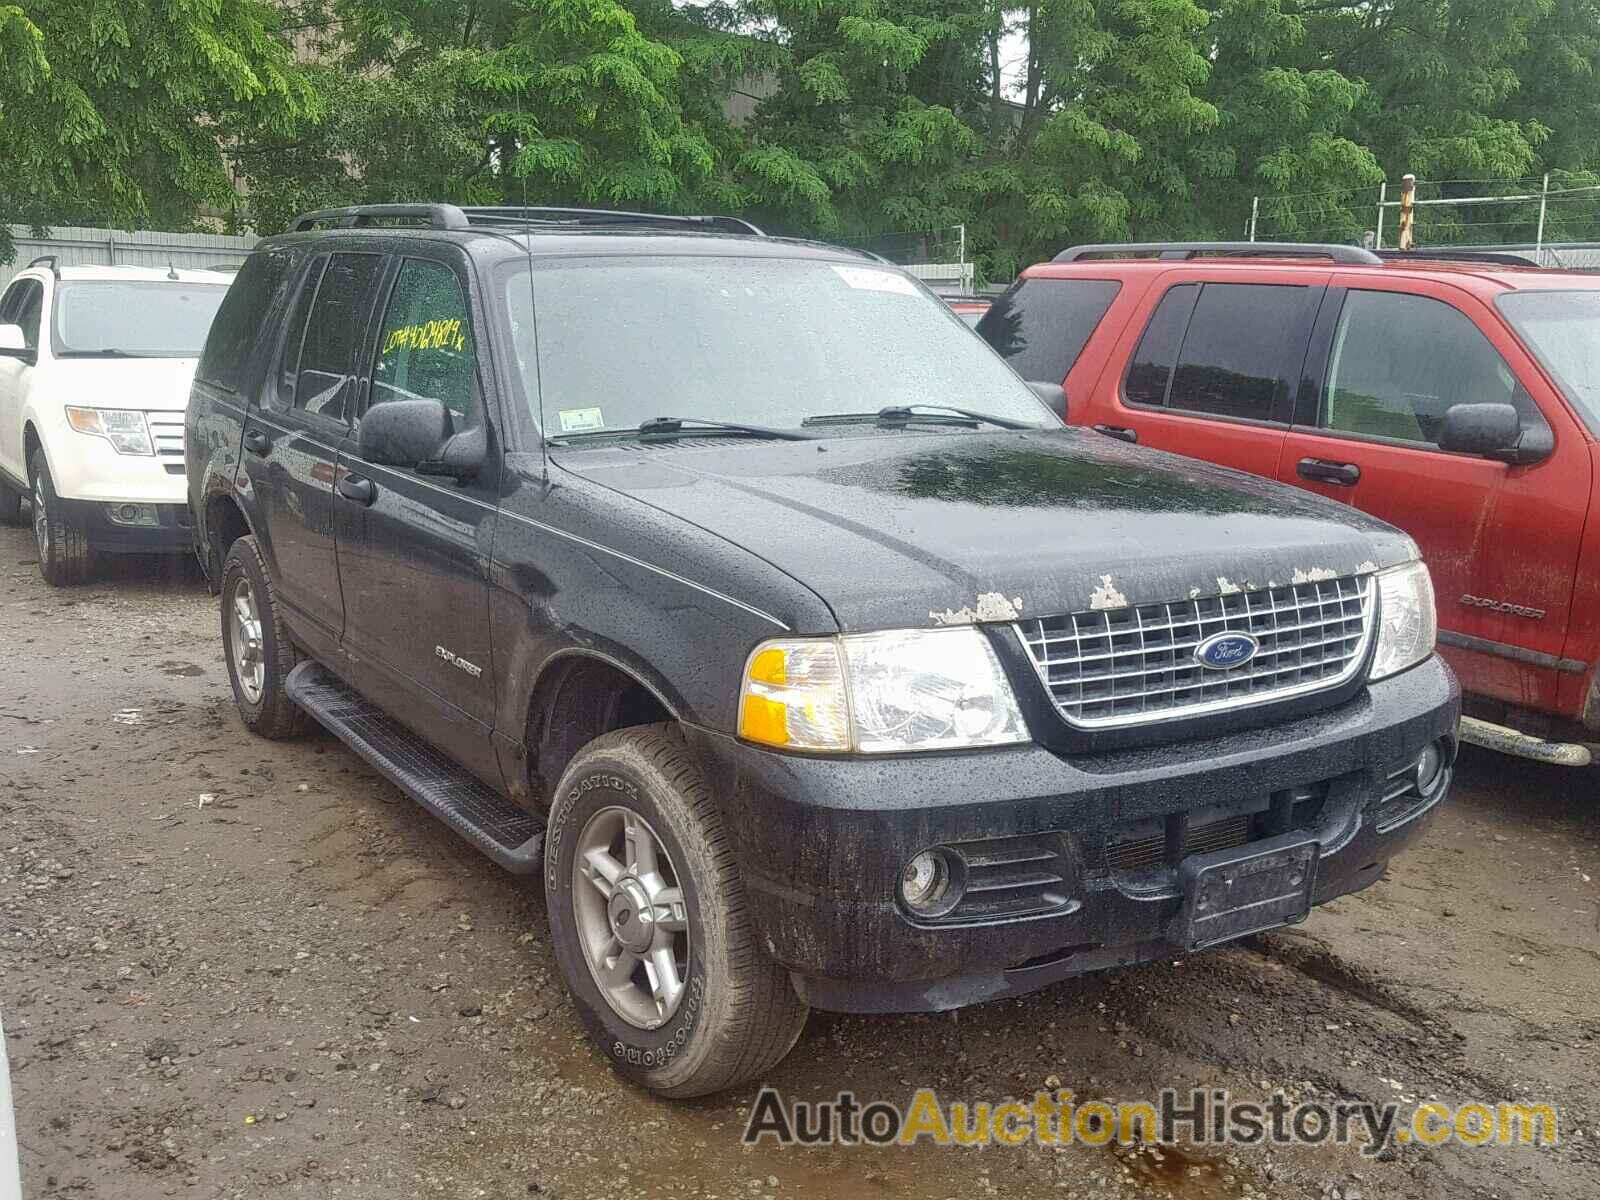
(1408, 215)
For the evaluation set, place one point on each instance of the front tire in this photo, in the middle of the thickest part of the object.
(651, 926)
(256, 646)
(65, 557)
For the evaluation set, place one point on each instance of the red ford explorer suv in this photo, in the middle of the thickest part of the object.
(1453, 394)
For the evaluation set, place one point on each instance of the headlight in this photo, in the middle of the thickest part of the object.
(1408, 625)
(929, 689)
(124, 428)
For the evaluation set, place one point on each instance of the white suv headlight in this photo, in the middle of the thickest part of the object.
(124, 428)
(1408, 623)
(878, 693)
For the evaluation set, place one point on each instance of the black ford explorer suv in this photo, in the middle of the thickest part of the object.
(734, 584)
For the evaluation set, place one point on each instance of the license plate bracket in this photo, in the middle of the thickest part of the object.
(1228, 894)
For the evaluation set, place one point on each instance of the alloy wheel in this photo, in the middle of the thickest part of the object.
(631, 917)
(244, 636)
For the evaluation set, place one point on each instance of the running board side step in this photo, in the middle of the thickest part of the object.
(1524, 745)
(509, 835)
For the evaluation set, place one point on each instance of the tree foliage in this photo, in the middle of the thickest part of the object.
(1031, 122)
(117, 113)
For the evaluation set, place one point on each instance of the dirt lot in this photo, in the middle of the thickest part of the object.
(232, 968)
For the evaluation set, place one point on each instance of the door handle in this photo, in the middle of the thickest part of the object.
(257, 442)
(358, 488)
(1323, 471)
(1121, 432)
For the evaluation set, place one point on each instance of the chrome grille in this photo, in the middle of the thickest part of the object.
(166, 435)
(1111, 668)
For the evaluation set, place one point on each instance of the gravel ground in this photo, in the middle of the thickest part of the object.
(233, 968)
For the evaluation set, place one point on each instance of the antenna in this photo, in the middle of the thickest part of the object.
(533, 305)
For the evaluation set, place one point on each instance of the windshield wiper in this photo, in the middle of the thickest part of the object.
(935, 414)
(103, 352)
(660, 428)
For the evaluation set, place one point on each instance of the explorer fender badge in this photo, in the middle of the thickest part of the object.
(449, 656)
(1224, 651)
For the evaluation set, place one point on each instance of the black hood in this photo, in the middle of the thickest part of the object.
(912, 529)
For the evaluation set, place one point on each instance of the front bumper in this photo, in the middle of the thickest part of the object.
(822, 841)
(172, 533)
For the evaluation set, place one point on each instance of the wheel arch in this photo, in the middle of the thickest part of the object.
(579, 694)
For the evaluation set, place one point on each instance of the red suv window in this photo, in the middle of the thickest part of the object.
(1229, 357)
(1040, 326)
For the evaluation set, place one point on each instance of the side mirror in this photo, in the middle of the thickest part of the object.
(14, 345)
(461, 457)
(1480, 428)
(404, 433)
(1054, 396)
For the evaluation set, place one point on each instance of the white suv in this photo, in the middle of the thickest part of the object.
(95, 364)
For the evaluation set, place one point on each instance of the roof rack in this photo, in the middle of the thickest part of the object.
(450, 216)
(592, 217)
(51, 260)
(1505, 258)
(438, 216)
(1179, 251)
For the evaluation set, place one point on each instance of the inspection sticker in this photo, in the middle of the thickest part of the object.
(580, 420)
(870, 280)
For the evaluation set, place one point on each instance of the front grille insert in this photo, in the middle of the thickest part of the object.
(1112, 668)
(166, 435)
(1162, 843)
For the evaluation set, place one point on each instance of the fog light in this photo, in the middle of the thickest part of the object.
(132, 514)
(1429, 771)
(929, 884)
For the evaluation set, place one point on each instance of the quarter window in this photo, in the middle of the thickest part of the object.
(425, 347)
(1041, 325)
(1399, 361)
(242, 315)
(333, 330)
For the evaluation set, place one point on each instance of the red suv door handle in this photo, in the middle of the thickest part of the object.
(1121, 432)
(1323, 471)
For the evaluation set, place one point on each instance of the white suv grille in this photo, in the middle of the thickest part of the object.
(1112, 668)
(166, 435)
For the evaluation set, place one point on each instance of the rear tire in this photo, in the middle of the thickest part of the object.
(735, 1015)
(256, 646)
(65, 556)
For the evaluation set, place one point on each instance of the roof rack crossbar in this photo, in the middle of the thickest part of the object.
(1505, 258)
(1179, 251)
(546, 215)
(47, 259)
(438, 216)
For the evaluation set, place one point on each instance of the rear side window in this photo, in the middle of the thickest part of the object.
(242, 318)
(1235, 352)
(1041, 325)
(334, 327)
(1150, 372)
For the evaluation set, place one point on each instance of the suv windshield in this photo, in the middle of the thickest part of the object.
(137, 318)
(758, 341)
(1563, 331)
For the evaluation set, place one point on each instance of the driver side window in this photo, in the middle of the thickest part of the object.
(1399, 361)
(425, 347)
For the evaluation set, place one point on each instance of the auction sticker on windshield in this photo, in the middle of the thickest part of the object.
(580, 420)
(869, 280)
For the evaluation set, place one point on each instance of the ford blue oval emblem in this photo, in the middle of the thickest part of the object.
(1224, 651)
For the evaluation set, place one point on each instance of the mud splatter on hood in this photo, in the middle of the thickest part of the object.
(922, 529)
